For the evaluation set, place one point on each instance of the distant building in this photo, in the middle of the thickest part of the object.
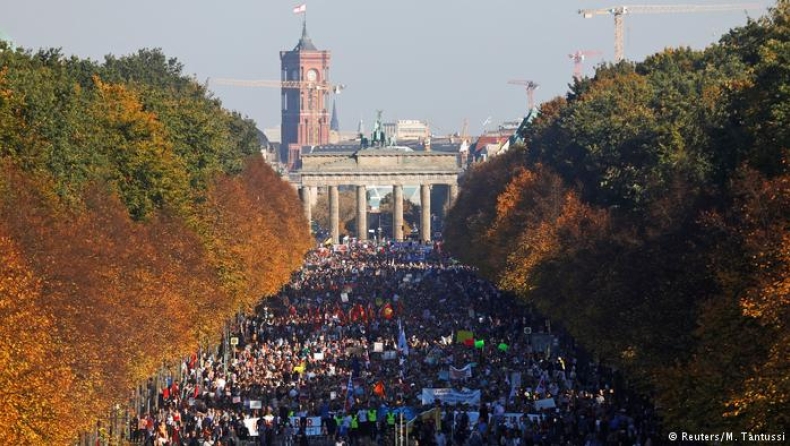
(407, 130)
(499, 141)
(273, 134)
(305, 120)
(488, 146)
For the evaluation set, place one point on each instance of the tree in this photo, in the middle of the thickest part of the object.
(35, 383)
(347, 207)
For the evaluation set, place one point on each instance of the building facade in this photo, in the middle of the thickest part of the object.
(305, 76)
(407, 130)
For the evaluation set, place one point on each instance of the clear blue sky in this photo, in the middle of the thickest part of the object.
(437, 60)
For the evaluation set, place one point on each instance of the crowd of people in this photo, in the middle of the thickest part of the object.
(350, 351)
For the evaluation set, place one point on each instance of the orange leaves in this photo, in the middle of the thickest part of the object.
(93, 301)
(34, 385)
(539, 218)
(761, 221)
(247, 218)
(572, 226)
(123, 296)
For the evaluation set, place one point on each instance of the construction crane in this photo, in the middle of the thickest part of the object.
(530, 87)
(278, 84)
(578, 60)
(463, 135)
(465, 132)
(620, 11)
(312, 88)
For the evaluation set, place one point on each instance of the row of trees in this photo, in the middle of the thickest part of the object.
(136, 217)
(650, 213)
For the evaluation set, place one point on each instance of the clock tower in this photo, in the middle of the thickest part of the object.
(305, 75)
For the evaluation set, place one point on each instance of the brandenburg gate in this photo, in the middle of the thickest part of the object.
(378, 167)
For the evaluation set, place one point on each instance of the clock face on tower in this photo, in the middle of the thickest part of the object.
(312, 75)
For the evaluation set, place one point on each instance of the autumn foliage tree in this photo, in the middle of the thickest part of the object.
(135, 218)
(649, 214)
(35, 388)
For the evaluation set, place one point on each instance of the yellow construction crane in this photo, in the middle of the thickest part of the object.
(313, 88)
(329, 88)
(620, 11)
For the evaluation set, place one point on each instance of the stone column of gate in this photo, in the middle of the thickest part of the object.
(304, 194)
(334, 214)
(397, 212)
(362, 212)
(425, 212)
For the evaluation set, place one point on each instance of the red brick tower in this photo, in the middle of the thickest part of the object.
(305, 121)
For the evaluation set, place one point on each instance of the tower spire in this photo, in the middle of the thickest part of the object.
(334, 124)
(305, 43)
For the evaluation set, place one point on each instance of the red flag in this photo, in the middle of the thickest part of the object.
(340, 315)
(378, 389)
(362, 313)
(357, 313)
(387, 312)
(469, 342)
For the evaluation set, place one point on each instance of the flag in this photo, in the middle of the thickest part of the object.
(515, 383)
(462, 335)
(356, 313)
(502, 346)
(300, 9)
(403, 346)
(386, 311)
(349, 394)
(465, 372)
(479, 343)
(541, 388)
(378, 389)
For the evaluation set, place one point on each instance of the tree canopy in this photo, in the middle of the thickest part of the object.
(136, 216)
(649, 212)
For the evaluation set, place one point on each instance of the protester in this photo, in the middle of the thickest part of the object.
(361, 331)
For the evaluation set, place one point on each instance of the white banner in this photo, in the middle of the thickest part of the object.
(451, 396)
(465, 372)
(313, 425)
(518, 419)
(547, 403)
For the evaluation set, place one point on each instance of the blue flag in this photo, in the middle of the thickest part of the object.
(403, 346)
